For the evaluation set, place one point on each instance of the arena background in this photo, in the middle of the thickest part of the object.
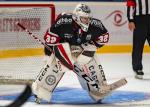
(112, 14)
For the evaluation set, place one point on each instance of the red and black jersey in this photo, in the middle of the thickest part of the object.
(65, 29)
(137, 8)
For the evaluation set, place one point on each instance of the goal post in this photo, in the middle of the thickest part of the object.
(20, 55)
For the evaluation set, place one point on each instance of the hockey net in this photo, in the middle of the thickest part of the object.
(20, 55)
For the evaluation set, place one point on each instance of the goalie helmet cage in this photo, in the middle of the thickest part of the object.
(15, 43)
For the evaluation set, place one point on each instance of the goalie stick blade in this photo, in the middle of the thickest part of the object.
(22, 98)
(104, 91)
(97, 96)
(118, 84)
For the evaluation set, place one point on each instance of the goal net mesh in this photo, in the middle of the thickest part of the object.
(20, 55)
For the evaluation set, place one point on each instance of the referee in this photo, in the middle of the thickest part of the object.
(138, 14)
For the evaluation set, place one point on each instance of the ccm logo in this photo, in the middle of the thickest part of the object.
(44, 70)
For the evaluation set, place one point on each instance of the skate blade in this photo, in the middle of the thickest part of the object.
(139, 76)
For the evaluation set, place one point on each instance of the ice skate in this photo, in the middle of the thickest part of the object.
(37, 100)
(139, 74)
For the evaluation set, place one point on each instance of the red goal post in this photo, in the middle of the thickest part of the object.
(14, 42)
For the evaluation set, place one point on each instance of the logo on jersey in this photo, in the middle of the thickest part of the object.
(68, 36)
(64, 20)
(88, 37)
(97, 23)
(50, 79)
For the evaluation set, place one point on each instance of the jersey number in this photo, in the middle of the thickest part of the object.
(104, 38)
(51, 39)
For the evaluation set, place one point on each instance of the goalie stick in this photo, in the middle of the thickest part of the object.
(107, 89)
(24, 96)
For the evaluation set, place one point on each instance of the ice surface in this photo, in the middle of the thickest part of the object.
(69, 93)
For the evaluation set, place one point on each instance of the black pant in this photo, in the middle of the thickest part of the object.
(140, 35)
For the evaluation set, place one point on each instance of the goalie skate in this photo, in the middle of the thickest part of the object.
(107, 89)
(37, 100)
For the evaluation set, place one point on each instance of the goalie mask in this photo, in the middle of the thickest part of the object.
(82, 16)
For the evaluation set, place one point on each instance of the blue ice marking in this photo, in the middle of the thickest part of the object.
(65, 95)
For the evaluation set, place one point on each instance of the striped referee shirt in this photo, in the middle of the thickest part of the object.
(137, 8)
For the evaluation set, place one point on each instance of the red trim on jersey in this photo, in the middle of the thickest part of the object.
(131, 3)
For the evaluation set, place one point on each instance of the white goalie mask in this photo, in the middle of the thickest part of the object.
(82, 16)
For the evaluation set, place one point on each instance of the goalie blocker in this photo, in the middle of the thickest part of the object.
(86, 66)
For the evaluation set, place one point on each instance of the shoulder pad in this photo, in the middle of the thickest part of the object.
(64, 19)
(96, 23)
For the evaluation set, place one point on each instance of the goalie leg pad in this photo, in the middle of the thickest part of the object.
(94, 71)
(101, 71)
(105, 88)
(46, 81)
(83, 83)
(79, 71)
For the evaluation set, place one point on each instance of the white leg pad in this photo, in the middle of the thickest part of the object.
(41, 92)
(83, 83)
(94, 70)
(47, 81)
